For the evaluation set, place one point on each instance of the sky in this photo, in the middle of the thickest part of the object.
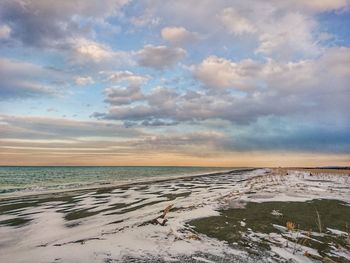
(186, 82)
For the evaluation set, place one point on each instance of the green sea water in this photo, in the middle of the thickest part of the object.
(33, 179)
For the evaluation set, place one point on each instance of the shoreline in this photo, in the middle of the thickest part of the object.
(235, 215)
(18, 194)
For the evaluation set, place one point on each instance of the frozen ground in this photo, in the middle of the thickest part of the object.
(115, 225)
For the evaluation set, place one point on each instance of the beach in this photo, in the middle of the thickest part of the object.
(174, 131)
(241, 215)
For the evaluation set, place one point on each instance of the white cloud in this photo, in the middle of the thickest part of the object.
(84, 80)
(132, 78)
(315, 5)
(289, 34)
(97, 52)
(5, 31)
(285, 30)
(91, 54)
(178, 35)
(303, 76)
(281, 33)
(159, 57)
(144, 20)
(218, 72)
(235, 23)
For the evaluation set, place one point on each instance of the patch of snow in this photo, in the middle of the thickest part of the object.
(276, 213)
(337, 232)
(200, 259)
(99, 237)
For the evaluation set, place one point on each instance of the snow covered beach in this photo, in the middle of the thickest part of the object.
(123, 224)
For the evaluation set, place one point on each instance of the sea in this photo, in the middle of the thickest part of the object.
(28, 179)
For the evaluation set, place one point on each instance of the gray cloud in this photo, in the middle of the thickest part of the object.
(158, 123)
(159, 57)
(131, 92)
(22, 80)
(125, 95)
(292, 134)
(50, 23)
(21, 127)
(269, 134)
(271, 88)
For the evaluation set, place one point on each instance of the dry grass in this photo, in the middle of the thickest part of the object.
(318, 222)
(290, 226)
(316, 170)
(281, 172)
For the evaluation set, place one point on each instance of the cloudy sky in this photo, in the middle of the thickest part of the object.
(186, 82)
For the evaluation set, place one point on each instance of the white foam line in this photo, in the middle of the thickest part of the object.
(121, 183)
